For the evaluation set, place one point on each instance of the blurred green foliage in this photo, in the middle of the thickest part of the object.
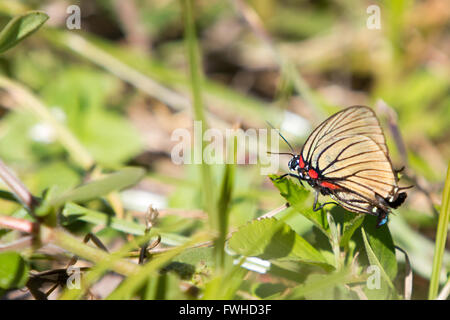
(121, 85)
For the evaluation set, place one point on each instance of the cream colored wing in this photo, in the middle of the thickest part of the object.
(358, 164)
(356, 120)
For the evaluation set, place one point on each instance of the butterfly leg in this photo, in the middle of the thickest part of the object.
(396, 171)
(316, 198)
(291, 175)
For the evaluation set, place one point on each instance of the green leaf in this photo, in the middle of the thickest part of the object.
(13, 270)
(224, 285)
(297, 197)
(74, 211)
(21, 27)
(105, 132)
(271, 239)
(89, 100)
(6, 195)
(194, 256)
(380, 258)
(320, 286)
(349, 229)
(16, 145)
(56, 174)
(112, 182)
(382, 245)
(91, 190)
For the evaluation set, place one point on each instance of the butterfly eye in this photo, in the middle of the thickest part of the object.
(293, 163)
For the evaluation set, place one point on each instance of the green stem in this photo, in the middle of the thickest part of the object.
(196, 88)
(441, 237)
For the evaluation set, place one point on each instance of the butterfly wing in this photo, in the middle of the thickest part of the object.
(360, 169)
(350, 153)
(356, 120)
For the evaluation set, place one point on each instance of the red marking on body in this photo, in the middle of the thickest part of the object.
(301, 163)
(329, 185)
(313, 174)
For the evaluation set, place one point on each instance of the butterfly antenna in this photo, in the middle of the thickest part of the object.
(288, 153)
(279, 133)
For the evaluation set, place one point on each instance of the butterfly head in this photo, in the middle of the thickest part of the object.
(294, 163)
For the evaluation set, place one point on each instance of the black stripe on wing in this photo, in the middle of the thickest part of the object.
(358, 163)
(339, 154)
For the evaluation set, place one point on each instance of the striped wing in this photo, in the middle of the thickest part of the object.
(356, 120)
(361, 169)
(349, 150)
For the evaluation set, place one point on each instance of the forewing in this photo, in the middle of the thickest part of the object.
(356, 120)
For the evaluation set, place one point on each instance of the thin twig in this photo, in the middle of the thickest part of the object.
(18, 224)
(409, 275)
(359, 292)
(16, 186)
(445, 292)
(185, 213)
(273, 212)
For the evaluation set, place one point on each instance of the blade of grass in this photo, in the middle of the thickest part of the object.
(223, 211)
(196, 88)
(441, 237)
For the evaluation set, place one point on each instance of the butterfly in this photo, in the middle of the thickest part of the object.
(346, 158)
